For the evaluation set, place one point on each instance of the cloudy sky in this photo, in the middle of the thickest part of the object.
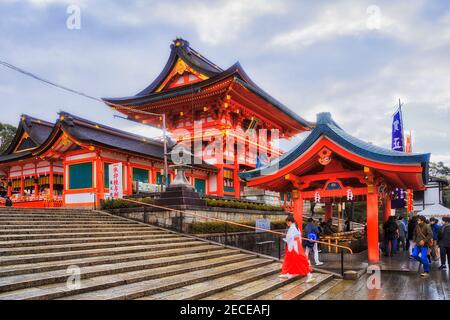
(352, 58)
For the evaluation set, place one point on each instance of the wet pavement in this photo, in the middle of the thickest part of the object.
(400, 280)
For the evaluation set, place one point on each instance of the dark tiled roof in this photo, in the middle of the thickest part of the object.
(215, 73)
(99, 135)
(38, 130)
(326, 126)
(181, 49)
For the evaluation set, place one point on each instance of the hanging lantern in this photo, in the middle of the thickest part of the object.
(317, 197)
(349, 194)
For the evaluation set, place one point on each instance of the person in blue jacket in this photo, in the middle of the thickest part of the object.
(311, 232)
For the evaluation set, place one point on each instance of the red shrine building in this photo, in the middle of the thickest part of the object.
(206, 106)
(66, 163)
(331, 166)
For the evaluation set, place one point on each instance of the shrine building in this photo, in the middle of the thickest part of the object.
(205, 101)
(331, 166)
(66, 163)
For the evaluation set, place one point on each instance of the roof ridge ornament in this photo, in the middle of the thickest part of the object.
(324, 118)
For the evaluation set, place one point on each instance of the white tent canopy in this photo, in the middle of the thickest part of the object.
(435, 210)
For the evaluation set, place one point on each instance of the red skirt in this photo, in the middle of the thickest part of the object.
(295, 263)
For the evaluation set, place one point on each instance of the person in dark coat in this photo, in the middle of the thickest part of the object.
(411, 227)
(443, 239)
(390, 229)
(422, 237)
(8, 202)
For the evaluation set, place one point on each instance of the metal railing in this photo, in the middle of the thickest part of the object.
(277, 234)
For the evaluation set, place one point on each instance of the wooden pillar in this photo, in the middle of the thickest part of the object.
(50, 181)
(36, 182)
(220, 182)
(237, 183)
(387, 209)
(22, 184)
(298, 207)
(100, 180)
(9, 191)
(129, 179)
(372, 227)
(328, 211)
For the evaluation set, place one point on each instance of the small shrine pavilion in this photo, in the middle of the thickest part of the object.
(330, 166)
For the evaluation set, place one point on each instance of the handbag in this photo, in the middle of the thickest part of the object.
(430, 243)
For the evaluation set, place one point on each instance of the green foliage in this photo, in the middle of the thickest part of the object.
(7, 133)
(440, 170)
(222, 227)
(223, 203)
(121, 203)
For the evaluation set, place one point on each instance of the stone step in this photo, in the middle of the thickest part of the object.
(72, 230)
(65, 222)
(141, 279)
(55, 241)
(196, 275)
(57, 256)
(38, 217)
(251, 289)
(86, 246)
(56, 276)
(217, 286)
(24, 237)
(18, 269)
(297, 289)
(315, 295)
(73, 226)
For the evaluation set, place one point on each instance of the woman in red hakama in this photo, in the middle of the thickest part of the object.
(295, 262)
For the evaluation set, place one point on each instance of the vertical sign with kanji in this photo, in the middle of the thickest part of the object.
(115, 180)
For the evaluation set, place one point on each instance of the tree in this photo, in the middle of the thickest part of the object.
(7, 133)
(439, 170)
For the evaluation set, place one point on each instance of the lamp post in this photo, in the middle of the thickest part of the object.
(164, 129)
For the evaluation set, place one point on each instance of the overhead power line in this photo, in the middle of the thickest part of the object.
(73, 91)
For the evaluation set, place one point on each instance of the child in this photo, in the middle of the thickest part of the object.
(295, 262)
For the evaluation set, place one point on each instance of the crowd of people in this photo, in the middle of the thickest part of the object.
(425, 240)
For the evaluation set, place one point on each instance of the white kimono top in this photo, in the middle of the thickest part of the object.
(291, 236)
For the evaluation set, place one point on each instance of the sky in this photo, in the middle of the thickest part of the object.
(354, 59)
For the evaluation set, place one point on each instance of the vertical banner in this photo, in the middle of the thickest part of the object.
(397, 131)
(409, 192)
(115, 180)
(398, 196)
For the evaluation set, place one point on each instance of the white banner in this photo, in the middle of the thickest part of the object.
(115, 180)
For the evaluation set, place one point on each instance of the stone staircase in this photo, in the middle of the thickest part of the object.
(40, 249)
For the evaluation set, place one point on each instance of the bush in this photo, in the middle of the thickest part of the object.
(108, 204)
(223, 203)
(222, 227)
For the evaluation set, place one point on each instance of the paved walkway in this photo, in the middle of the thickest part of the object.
(400, 280)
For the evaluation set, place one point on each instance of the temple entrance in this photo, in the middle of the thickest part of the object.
(330, 166)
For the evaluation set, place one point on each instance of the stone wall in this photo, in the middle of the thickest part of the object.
(171, 219)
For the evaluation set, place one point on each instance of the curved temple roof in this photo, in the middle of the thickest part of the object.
(180, 49)
(91, 133)
(326, 127)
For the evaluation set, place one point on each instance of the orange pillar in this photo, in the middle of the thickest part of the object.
(100, 180)
(220, 182)
(50, 181)
(328, 211)
(298, 208)
(36, 182)
(372, 227)
(237, 183)
(22, 185)
(387, 209)
(9, 188)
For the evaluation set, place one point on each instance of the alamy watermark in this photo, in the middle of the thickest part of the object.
(73, 21)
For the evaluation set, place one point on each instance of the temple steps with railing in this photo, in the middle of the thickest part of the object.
(124, 259)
